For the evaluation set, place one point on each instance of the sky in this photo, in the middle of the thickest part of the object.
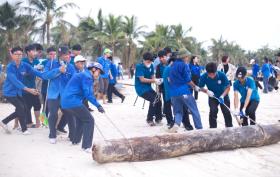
(250, 23)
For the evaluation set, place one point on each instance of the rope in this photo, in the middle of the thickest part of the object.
(122, 134)
(261, 128)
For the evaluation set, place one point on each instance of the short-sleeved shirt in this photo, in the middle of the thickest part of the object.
(143, 71)
(217, 85)
(243, 88)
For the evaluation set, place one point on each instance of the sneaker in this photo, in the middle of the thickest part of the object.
(173, 129)
(123, 97)
(61, 131)
(90, 110)
(159, 122)
(5, 127)
(88, 150)
(26, 132)
(151, 123)
(188, 128)
(53, 140)
(110, 101)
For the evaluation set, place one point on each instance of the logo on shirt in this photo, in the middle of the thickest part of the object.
(219, 82)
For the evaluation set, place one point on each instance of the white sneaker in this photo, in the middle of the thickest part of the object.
(26, 132)
(5, 127)
(88, 150)
(53, 140)
(173, 129)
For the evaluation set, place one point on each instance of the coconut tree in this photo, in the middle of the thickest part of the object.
(9, 24)
(113, 32)
(218, 47)
(48, 11)
(132, 32)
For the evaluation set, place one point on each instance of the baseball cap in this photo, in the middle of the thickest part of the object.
(95, 65)
(79, 58)
(63, 50)
(107, 51)
(252, 61)
(182, 53)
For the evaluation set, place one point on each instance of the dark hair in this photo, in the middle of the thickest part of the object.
(167, 50)
(171, 60)
(211, 67)
(51, 49)
(29, 48)
(192, 58)
(224, 58)
(265, 59)
(161, 53)
(148, 56)
(17, 48)
(77, 47)
(110, 58)
(38, 46)
(241, 71)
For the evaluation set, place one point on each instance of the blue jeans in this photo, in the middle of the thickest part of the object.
(188, 102)
(265, 84)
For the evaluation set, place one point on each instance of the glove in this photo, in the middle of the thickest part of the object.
(158, 81)
(101, 109)
(210, 93)
(196, 88)
(236, 113)
(221, 100)
(39, 67)
(242, 113)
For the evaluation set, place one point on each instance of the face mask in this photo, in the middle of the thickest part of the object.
(148, 65)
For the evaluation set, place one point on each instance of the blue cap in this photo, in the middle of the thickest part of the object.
(95, 65)
(63, 50)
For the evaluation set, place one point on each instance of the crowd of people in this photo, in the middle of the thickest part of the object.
(64, 84)
(179, 78)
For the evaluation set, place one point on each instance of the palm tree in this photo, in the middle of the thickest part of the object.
(158, 39)
(179, 36)
(113, 31)
(218, 47)
(9, 24)
(48, 11)
(132, 32)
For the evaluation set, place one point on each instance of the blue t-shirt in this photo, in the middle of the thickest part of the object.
(255, 70)
(195, 69)
(266, 70)
(243, 88)
(143, 71)
(165, 77)
(106, 66)
(114, 73)
(180, 76)
(217, 85)
(29, 79)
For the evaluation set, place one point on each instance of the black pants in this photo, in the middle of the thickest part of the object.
(167, 109)
(69, 119)
(84, 126)
(31, 101)
(195, 79)
(112, 90)
(19, 113)
(213, 104)
(154, 109)
(186, 119)
(250, 111)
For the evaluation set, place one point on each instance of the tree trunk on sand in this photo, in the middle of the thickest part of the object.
(174, 145)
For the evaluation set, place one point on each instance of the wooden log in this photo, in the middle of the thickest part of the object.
(174, 145)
